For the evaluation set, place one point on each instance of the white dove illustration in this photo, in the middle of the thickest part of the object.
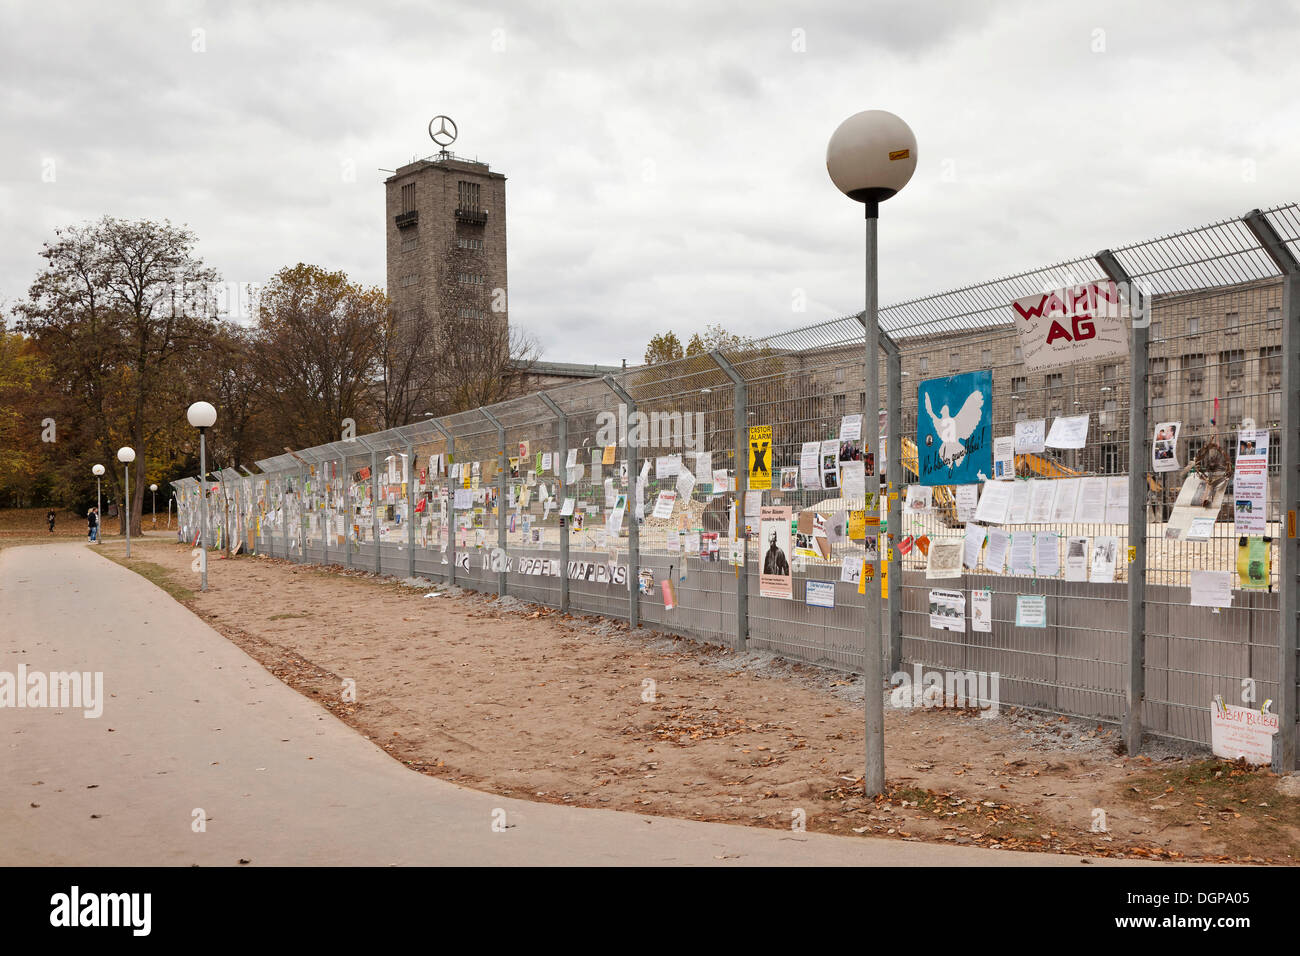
(953, 432)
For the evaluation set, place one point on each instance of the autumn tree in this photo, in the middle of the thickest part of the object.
(118, 308)
(242, 433)
(663, 347)
(317, 354)
(22, 373)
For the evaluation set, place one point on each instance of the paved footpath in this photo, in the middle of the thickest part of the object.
(190, 721)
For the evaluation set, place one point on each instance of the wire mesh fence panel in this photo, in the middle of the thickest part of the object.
(1214, 379)
(681, 422)
(535, 499)
(1040, 547)
(810, 392)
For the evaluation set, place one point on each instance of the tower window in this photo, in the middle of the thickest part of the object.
(467, 196)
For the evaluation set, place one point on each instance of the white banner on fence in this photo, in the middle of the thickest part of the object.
(1068, 326)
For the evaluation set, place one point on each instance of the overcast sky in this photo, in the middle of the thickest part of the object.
(666, 160)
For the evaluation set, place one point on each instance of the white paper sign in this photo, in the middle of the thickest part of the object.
(973, 542)
(995, 555)
(1031, 610)
(1117, 499)
(855, 479)
(1164, 447)
(1004, 459)
(810, 472)
(1250, 495)
(945, 558)
(1105, 551)
(850, 428)
(967, 501)
(981, 611)
(664, 504)
(918, 499)
(948, 610)
(819, 593)
(1031, 436)
(1076, 559)
(1240, 732)
(994, 502)
(1211, 588)
(1068, 432)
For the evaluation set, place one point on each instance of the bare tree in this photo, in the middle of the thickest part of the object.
(410, 371)
(480, 362)
(477, 358)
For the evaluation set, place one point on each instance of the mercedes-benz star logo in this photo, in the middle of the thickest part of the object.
(445, 133)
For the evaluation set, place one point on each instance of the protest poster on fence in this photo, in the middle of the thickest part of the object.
(1072, 325)
(954, 428)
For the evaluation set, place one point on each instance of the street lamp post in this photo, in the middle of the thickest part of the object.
(126, 455)
(870, 157)
(154, 490)
(98, 471)
(203, 416)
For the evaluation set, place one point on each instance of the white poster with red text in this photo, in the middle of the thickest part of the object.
(1070, 325)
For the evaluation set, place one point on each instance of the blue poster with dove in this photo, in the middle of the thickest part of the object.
(954, 429)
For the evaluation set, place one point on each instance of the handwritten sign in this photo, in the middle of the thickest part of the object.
(1071, 325)
(1241, 732)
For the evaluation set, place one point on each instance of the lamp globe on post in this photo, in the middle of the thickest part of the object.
(126, 455)
(98, 472)
(153, 489)
(203, 416)
(870, 157)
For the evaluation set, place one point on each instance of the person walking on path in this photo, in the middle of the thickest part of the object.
(92, 522)
(49, 519)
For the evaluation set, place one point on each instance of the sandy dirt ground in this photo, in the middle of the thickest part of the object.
(524, 701)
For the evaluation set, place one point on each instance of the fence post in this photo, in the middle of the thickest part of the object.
(893, 489)
(562, 429)
(348, 511)
(284, 515)
(374, 509)
(1137, 502)
(451, 500)
(326, 520)
(741, 403)
(302, 513)
(1288, 544)
(502, 477)
(410, 509)
(633, 528)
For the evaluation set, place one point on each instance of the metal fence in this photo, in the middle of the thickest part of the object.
(1221, 348)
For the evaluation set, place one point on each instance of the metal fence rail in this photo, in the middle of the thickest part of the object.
(529, 516)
